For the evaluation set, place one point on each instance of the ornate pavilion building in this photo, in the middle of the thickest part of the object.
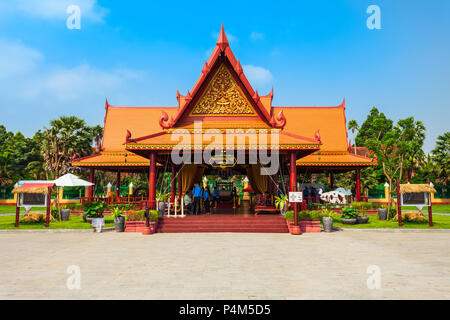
(306, 139)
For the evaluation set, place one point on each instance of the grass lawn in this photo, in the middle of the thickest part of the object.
(75, 222)
(12, 209)
(441, 208)
(439, 222)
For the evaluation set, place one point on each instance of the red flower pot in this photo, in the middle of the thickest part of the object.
(295, 230)
(147, 230)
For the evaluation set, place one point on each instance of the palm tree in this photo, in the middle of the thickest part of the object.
(97, 136)
(66, 136)
(353, 126)
(441, 155)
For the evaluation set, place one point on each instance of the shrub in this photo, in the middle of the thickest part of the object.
(94, 209)
(117, 212)
(349, 214)
(55, 213)
(154, 215)
(133, 215)
(375, 205)
(303, 216)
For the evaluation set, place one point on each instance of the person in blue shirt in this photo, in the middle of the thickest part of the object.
(206, 203)
(197, 193)
(216, 196)
(306, 194)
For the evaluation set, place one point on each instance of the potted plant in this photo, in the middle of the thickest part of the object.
(382, 213)
(119, 219)
(161, 199)
(349, 216)
(65, 213)
(327, 220)
(281, 202)
(364, 207)
(94, 214)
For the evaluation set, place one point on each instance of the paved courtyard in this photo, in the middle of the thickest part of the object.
(225, 266)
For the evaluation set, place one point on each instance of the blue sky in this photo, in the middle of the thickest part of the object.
(138, 53)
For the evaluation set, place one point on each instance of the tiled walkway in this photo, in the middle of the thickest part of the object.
(225, 265)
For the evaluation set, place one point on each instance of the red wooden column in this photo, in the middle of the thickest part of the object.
(172, 184)
(399, 205)
(152, 181)
(430, 211)
(91, 188)
(49, 199)
(17, 209)
(118, 184)
(293, 179)
(358, 185)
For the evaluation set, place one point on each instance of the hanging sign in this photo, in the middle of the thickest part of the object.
(295, 197)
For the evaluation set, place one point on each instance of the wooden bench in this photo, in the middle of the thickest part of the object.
(259, 209)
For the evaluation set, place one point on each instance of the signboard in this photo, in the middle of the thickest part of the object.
(296, 197)
(33, 200)
(415, 199)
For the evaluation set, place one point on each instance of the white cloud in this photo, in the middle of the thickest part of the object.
(56, 9)
(258, 75)
(16, 59)
(257, 35)
(25, 77)
(65, 84)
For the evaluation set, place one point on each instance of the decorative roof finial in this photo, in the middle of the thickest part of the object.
(222, 42)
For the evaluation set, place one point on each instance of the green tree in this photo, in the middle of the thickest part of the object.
(65, 137)
(441, 156)
(373, 127)
(394, 146)
(353, 126)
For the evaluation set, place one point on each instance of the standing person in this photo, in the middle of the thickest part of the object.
(206, 203)
(188, 202)
(197, 193)
(306, 194)
(234, 195)
(216, 196)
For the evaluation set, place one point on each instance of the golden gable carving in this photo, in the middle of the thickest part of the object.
(223, 96)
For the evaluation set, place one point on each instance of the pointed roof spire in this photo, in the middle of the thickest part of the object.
(238, 68)
(256, 96)
(106, 104)
(206, 68)
(188, 97)
(222, 42)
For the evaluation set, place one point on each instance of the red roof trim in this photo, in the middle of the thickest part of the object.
(37, 184)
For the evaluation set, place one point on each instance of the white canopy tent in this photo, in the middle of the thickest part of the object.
(70, 180)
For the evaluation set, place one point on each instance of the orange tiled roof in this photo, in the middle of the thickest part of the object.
(335, 159)
(330, 121)
(257, 139)
(111, 159)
